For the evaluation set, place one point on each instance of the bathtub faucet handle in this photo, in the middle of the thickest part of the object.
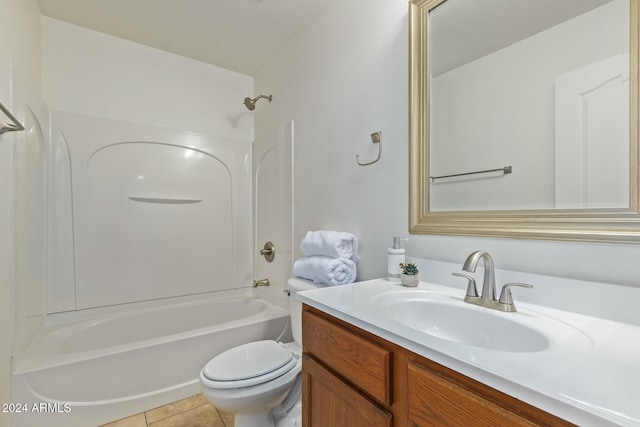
(262, 282)
(269, 251)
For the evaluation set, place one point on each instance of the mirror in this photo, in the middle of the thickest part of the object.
(524, 119)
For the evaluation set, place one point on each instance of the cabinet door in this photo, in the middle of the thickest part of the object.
(356, 359)
(328, 401)
(437, 401)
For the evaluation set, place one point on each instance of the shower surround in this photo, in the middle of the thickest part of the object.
(147, 212)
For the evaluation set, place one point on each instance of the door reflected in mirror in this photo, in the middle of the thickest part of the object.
(542, 87)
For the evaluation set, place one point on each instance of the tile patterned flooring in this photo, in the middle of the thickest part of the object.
(195, 411)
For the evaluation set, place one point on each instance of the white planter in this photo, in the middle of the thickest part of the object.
(410, 280)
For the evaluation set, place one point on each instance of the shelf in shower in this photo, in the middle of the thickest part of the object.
(164, 200)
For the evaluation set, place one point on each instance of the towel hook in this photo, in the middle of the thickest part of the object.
(376, 138)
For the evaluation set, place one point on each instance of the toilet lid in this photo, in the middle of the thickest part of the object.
(249, 364)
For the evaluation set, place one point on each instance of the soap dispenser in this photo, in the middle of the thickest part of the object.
(395, 256)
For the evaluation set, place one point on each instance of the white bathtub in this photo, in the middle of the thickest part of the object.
(99, 369)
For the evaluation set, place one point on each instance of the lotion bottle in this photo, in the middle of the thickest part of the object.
(395, 256)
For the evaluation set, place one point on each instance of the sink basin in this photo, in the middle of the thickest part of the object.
(451, 319)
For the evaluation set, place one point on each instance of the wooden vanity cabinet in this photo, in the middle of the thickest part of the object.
(331, 401)
(352, 378)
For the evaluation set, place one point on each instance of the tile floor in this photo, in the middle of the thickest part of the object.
(195, 411)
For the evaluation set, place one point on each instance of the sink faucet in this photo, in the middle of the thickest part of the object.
(488, 295)
(489, 283)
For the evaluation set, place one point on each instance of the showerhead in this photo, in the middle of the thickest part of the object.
(251, 103)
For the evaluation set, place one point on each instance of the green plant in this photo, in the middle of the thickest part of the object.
(409, 269)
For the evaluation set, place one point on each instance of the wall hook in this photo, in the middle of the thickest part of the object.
(376, 138)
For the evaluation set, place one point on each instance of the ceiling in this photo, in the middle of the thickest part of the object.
(239, 35)
(465, 30)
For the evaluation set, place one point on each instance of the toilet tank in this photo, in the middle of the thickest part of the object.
(294, 286)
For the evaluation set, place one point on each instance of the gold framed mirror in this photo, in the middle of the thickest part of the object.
(591, 224)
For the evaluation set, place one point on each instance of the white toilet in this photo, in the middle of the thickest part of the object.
(260, 381)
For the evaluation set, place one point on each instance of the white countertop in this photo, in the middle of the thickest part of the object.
(590, 376)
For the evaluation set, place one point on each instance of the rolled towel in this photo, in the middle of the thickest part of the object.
(334, 244)
(326, 270)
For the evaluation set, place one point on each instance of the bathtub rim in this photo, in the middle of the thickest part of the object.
(42, 352)
(57, 319)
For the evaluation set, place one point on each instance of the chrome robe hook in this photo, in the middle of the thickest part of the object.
(376, 138)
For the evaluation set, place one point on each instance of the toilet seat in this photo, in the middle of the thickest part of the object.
(248, 365)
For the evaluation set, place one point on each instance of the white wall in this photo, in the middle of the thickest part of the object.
(91, 73)
(344, 76)
(19, 88)
(341, 78)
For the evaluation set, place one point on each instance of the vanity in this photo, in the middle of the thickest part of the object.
(378, 354)
(377, 383)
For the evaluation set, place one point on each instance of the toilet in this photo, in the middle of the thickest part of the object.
(260, 381)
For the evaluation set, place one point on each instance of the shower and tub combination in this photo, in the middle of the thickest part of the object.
(150, 266)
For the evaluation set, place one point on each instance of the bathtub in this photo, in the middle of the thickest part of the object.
(105, 367)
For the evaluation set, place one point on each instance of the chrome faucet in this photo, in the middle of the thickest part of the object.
(489, 282)
(488, 295)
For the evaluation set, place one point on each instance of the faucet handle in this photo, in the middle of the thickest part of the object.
(505, 294)
(472, 291)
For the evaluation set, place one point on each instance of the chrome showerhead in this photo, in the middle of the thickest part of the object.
(251, 103)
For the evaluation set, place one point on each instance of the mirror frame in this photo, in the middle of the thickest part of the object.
(586, 225)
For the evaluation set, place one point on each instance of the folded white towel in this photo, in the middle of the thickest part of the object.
(329, 271)
(334, 244)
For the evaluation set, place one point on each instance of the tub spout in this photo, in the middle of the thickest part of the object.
(262, 282)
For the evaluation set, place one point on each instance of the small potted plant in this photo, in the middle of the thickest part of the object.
(409, 275)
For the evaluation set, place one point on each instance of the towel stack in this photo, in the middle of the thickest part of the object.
(330, 258)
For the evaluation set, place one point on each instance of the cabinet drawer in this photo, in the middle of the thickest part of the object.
(362, 362)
